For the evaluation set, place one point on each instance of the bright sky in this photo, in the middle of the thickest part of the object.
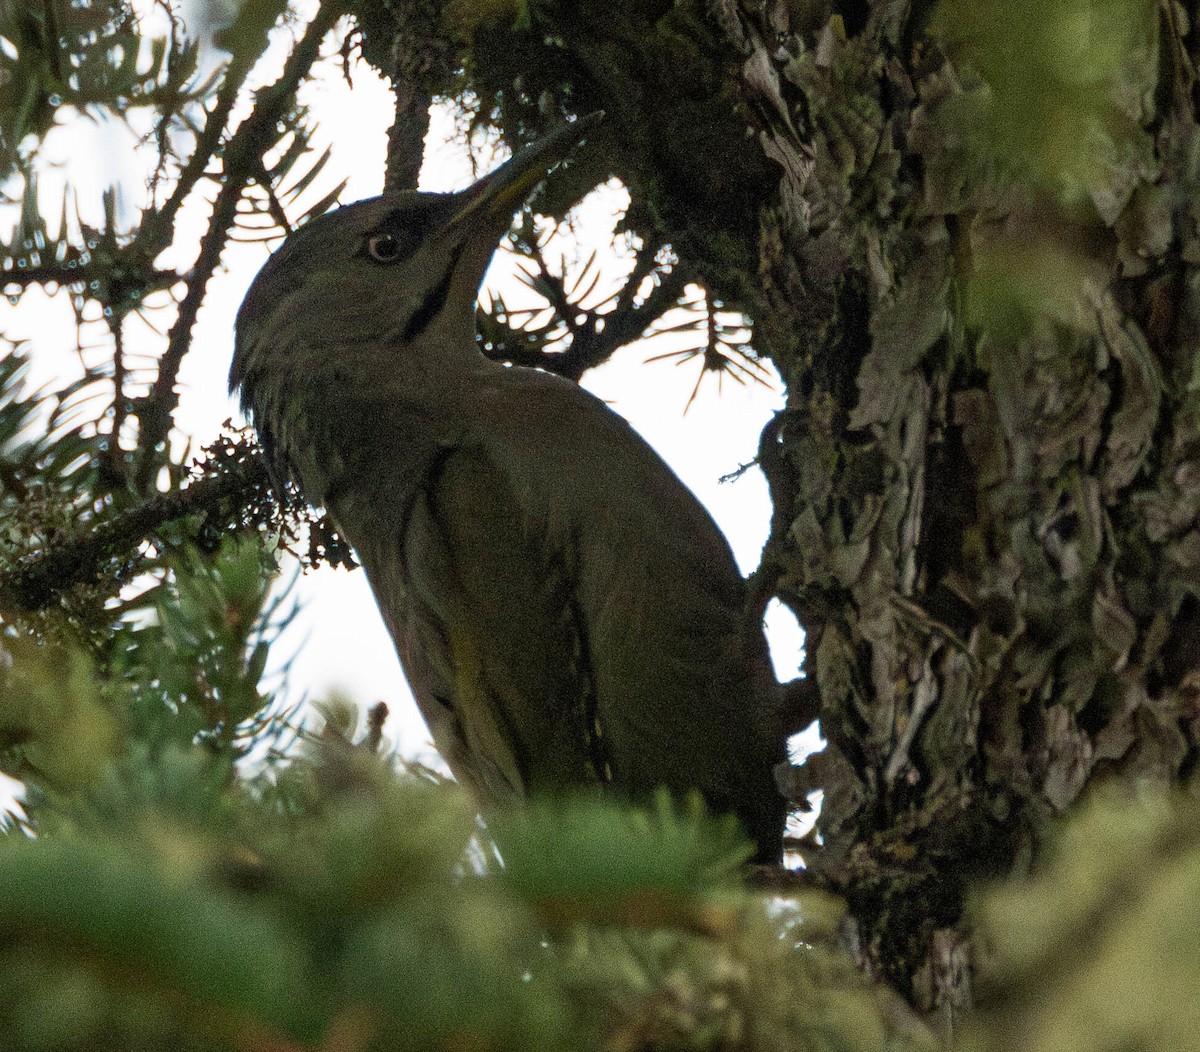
(339, 641)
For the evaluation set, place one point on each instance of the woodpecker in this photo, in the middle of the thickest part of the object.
(566, 612)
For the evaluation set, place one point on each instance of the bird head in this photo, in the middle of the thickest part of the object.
(382, 276)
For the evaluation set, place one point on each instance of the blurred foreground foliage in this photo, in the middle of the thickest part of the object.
(1098, 949)
(190, 873)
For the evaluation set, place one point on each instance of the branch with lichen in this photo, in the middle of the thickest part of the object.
(234, 488)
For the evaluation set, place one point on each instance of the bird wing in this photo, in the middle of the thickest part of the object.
(681, 674)
(491, 635)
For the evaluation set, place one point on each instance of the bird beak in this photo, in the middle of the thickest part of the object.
(493, 200)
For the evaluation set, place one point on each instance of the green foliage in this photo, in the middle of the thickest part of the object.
(578, 878)
(204, 645)
(1097, 949)
(1047, 129)
(1023, 285)
(52, 713)
(141, 934)
(465, 18)
(330, 899)
(244, 36)
(1062, 90)
(113, 721)
(48, 451)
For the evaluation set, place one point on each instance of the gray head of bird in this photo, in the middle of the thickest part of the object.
(391, 276)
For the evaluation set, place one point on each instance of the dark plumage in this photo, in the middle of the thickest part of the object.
(566, 611)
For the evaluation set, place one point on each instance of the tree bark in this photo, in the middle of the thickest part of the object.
(986, 515)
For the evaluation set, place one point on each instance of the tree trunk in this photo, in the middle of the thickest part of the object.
(985, 478)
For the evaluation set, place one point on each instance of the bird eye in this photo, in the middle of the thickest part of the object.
(384, 247)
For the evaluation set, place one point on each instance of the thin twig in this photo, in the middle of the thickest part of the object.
(243, 159)
(34, 584)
